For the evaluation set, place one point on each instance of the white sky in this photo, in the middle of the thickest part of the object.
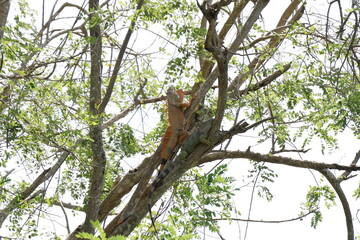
(289, 189)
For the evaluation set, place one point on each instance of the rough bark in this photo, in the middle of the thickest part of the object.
(216, 155)
(98, 152)
(205, 87)
(4, 11)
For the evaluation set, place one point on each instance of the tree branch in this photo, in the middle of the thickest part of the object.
(346, 174)
(45, 175)
(216, 155)
(97, 146)
(119, 59)
(238, 7)
(132, 107)
(200, 94)
(335, 183)
(273, 43)
(213, 44)
(4, 11)
(266, 81)
(53, 17)
(266, 221)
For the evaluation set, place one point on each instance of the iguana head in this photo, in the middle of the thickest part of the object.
(173, 96)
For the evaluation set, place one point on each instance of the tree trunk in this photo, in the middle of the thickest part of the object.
(98, 153)
(4, 11)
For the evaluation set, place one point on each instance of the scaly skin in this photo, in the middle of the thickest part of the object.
(199, 136)
(175, 134)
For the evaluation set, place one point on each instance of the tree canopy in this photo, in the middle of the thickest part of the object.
(83, 112)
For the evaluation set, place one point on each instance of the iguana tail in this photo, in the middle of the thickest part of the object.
(171, 139)
(165, 143)
(162, 175)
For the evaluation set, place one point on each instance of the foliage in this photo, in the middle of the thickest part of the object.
(262, 175)
(313, 198)
(102, 235)
(48, 148)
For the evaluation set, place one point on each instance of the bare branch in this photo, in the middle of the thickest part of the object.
(335, 183)
(215, 155)
(346, 174)
(45, 175)
(283, 150)
(119, 59)
(57, 13)
(266, 221)
(266, 81)
(235, 13)
(4, 11)
(273, 43)
(68, 206)
(98, 163)
(132, 107)
(200, 94)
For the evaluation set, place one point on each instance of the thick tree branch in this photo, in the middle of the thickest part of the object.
(97, 146)
(205, 64)
(141, 208)
(254, 16)
(200, 94)
(216, 155)
(235, 13)
(4, 11)
(213, 44)
(335, 183)
(129, 209)
(126, 184)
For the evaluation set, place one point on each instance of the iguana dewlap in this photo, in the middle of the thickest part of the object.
(175, 134)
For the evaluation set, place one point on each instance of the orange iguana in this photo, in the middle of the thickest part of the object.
(199, 136)
(175, 134)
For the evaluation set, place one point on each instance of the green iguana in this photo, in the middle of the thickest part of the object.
(199, 136)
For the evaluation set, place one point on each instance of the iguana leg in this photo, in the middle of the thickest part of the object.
(183, 135)
(203, 140)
